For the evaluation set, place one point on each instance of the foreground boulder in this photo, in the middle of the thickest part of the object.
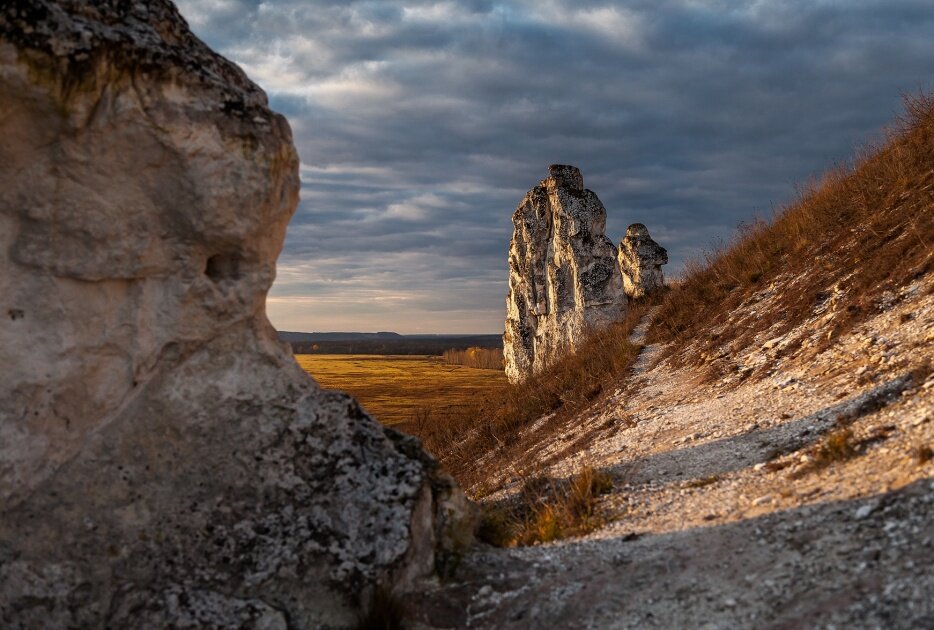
(163, 460)
(563, 275)
(640, 262)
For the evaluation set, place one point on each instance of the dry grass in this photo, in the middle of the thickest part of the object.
(703, 481)
(384, 611)
(863, 228)
(839, 445)
(547, 510)
(402, 388)
(463, 415)
(491, 430)
(836, 446)
(923, 454)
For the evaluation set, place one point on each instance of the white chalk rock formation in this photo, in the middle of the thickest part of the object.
(640, 262)
(563, 276)
(163, 460)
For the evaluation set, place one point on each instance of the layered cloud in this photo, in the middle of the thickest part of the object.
(422, 124)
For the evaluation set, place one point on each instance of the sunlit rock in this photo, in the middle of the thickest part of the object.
(640, 262)
(163, 460)
(563, 276)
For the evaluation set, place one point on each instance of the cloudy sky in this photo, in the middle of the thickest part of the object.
(422, 124)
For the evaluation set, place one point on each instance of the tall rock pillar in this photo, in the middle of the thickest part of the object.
(563, 275)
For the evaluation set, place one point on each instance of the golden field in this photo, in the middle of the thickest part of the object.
(393, 387)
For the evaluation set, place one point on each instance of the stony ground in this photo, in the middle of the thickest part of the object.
(723, 512)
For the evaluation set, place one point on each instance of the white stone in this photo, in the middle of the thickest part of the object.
(640, 261)
(563, 277)
(164, 462)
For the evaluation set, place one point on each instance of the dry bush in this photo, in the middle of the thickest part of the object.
(923, 454)
(421, 417)
(836, 447)
(492, 426)
(867, 225)
(480, 358)
(546, 510)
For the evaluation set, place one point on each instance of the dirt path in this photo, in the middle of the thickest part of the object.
(723, 514)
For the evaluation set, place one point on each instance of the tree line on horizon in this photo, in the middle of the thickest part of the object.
(474, 357)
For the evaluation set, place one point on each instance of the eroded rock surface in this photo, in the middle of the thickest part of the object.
(163, 460)
(640, 262)
(563, 276)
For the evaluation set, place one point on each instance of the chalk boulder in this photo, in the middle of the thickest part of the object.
(163, 460)
(563, 276)
(640, 262)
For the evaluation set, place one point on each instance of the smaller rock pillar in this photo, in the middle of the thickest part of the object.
(640, 262)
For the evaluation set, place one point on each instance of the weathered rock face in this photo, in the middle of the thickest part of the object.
(163, 460)
(563, 276)
(640, 262)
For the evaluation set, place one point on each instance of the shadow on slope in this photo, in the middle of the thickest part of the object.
(862, 561)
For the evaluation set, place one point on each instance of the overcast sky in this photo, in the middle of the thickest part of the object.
(421, 125)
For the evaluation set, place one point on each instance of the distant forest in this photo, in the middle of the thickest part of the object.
(386, 343)
(482, 358)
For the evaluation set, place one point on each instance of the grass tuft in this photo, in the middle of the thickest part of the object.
(923, 454)
(837, 446)
(703, 481)
(547, 510)
(385, 610)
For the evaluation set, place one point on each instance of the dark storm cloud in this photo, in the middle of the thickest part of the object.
(421, 125)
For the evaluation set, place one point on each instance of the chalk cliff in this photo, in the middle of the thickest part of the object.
(163, 460)
(563, 275)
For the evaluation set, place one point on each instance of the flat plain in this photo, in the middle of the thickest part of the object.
(394, 388)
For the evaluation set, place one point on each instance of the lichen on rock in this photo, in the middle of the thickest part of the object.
(563, 276)
(163, 460)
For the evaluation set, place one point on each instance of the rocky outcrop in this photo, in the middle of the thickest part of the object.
(563, 275)
(163, 460)
(640, 262)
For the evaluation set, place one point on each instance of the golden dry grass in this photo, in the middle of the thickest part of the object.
(864, 227)
(492, 426)
(401, 388)
(547, 510)
(836, 446)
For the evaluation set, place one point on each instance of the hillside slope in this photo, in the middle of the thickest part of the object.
(731, 504)
(771, 453)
